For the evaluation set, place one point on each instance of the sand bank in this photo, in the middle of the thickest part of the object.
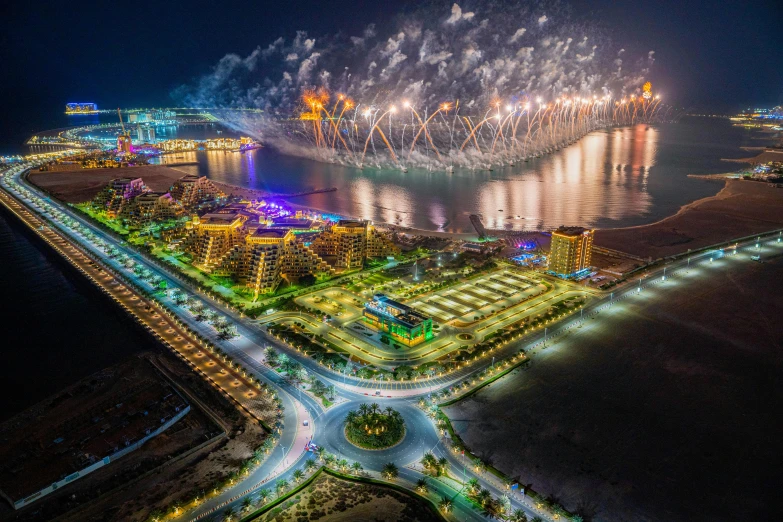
(741, 208)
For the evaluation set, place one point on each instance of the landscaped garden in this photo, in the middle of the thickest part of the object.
(372, 428)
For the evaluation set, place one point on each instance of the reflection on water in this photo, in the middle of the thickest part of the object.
(617, 177)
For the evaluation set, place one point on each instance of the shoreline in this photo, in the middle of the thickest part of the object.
(740, 209)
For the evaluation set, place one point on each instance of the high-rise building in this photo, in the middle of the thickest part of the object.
(349, 242)
(402, 322)
(571, 250)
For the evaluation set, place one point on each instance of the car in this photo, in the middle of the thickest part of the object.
(377, 393)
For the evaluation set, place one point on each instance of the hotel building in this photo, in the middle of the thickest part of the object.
(349, 242)
(190, 191)
(571, 250)
(259, 258)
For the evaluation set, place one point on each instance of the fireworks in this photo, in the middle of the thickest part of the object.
(446, 86)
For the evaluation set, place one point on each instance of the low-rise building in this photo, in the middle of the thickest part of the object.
(401, 322)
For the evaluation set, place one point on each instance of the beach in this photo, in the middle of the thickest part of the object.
(742, 208)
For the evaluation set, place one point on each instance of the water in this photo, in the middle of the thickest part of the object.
(612, 178)
(57, 327)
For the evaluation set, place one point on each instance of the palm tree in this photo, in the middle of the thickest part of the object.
(518, 516)
(247, 503)
(320, 453)
(281, 486)
(484, 496)
(374, 407)
(364, 409)
(351, 418)
(445, 504)
(263, 495)
(309, 465)
(389, 411)
(356, 467)
(390, 471)
(429, 461)
(229, 516)
(329, 459)
(473, 485)
(342, 464)
(422, 485)
(298, 475)
(443, 465)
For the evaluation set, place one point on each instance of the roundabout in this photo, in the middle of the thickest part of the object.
(418, 436)
(372, 428)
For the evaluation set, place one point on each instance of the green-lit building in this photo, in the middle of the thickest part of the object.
(402, 323)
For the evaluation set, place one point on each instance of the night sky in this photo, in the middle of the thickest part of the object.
(717, 55)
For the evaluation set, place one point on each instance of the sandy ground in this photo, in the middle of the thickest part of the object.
(764, 157)
(741, 209)
(667, 410)
(77, 186)
(329, 499)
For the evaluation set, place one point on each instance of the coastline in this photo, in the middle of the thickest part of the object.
(740, 209)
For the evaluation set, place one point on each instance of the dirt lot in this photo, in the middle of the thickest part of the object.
(157, 474)
(329, 499)
(741, 209)
(77, 186)
(668, 409)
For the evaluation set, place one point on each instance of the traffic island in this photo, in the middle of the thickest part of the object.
(369, 427)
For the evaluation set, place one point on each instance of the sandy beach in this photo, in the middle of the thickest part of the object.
(741, 208)
(80, 185)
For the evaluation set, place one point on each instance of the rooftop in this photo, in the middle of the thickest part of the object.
(404, 314)
(570, 231)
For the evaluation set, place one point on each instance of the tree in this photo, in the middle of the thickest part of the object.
(443, 465)
(271, 355)
(356, 467)
(519, 516)
(445, 504)
(422, 485)
(298, 475)
(263, 495)
(473, 485)
(351, 417)
(281, 486)
(321, 453)
(342, 464)
(484, 496)
(390, 471)
(247, 504)
(310, 465)
(329, 460)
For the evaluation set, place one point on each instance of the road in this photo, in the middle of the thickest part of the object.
(86, 245)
